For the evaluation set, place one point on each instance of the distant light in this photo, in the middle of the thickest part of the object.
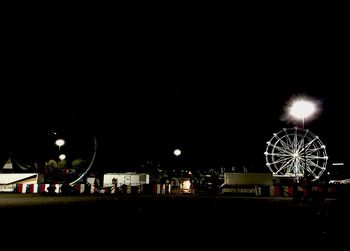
(302, 109)
(338, 164)
(177, 152)
(186, 186)
(60, 142)
(62, 156)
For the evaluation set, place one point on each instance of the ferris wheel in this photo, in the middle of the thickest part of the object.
(296, 152)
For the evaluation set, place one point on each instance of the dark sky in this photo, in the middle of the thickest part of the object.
(224, 120)
(214, 125)
(215, 91)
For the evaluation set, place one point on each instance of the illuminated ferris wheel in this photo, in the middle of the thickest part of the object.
(296, 152)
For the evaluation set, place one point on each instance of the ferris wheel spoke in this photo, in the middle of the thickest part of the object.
(300, 147)
(314, 150)
(294, 165)
(285, 165)
(285, 145)
(301, 144)
(317, 170)
(279, 154)
(311, 172)
(289, 143)
(295, 139)
(283, 150)
(311, 163)
(311, 142)
(281, 157)
(310, 151)
(282, 142)
(280, 160)
(315, 157)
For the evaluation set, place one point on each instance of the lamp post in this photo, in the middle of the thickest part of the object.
(177, 164)
(302, 109)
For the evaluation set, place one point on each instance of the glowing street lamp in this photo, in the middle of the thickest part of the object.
(60, 142)
(177, 152)
(62, 157)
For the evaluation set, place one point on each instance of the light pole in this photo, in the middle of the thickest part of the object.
(302, 109)
(177, 163)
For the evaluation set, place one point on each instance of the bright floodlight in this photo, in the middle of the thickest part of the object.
(177, 152)
(60, 142)
(302, 109)
(62, 156)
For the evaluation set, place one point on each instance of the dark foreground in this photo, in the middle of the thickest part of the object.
(198, 221)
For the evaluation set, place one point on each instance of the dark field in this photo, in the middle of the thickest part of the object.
(175, 220)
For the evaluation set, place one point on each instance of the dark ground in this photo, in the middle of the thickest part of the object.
(197, 221)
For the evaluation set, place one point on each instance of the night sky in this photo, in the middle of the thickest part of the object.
(146, 90)
(213, 125)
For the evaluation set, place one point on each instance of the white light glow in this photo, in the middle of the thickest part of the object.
(302, 109)
(62, 156)
(338, 164)
(177, 152)
(60, 142)
(186, 186)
